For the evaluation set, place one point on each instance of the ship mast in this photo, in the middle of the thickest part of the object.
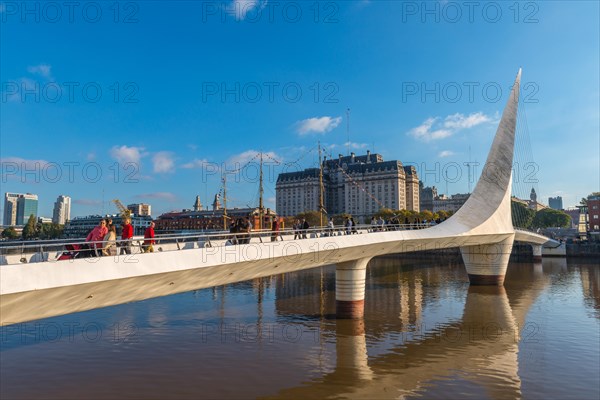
(321, 207)
(225, 201)
(260, 197)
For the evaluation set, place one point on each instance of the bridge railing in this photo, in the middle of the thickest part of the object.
(57, 250)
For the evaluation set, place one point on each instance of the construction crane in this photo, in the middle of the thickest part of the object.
(125, 212)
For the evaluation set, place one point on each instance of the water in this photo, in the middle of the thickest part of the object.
(426, 333)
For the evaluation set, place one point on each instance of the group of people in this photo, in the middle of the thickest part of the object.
(103, 238)
(300, 228)
(242, 228)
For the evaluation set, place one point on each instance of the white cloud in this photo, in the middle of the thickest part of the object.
(243, 7)
(459, 121)
(239, 160)
(163, 162)
(356, 146)
(43, 70)
(157, 195)
(433, 129)
(22, 163)
(446, 153)
(317, 125)
(124, 154)
(196, 163)
(91, 156)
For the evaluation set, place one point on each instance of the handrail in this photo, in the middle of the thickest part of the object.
(232, 238)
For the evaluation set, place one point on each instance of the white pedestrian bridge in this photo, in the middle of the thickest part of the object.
(35, 285)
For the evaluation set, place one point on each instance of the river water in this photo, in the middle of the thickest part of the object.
(426, 333)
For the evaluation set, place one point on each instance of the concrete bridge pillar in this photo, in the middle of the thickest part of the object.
(537, 252)
(350, 288)
(486, 263)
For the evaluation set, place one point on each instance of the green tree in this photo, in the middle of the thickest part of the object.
(425, 215)
(50, 231)
(522, 216)
(443, 214)
(549, 218)
(312, 217)
(340, 219)
(386, 213)
(30, 229)
(10, 233)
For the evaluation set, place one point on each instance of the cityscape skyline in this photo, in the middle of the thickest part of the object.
(133, 130)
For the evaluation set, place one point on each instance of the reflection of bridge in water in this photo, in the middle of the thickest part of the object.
(482, 344)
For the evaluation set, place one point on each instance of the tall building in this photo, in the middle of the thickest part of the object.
(140, 209)
(555, 202)
(19, 207)
(62, 210)
(10, 208)
(357, 185)
(412, 189)
(428, 194)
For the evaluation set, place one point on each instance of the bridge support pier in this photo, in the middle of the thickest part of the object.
(486, 263)
(537, 252)
(350, 288)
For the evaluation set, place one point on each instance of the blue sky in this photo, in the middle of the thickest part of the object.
(150, 101)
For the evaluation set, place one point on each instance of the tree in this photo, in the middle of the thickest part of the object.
(312, 217)
(50, 231)
(443, 214)
(30, 229)
(522, 216)
(10, 233)
(385, 213)
(425, 215)
(549, 218)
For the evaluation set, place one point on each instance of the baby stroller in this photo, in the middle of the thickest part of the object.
(73, 251)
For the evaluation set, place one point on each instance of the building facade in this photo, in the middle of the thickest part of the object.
(555, 202)
(428, 194)
(79, 227)
(452, 203)
(62, 210)
(356, 185)
(593, 207)
(140, 209)
(19, 207)
(210, 220)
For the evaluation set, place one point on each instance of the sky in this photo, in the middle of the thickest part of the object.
(155, 101)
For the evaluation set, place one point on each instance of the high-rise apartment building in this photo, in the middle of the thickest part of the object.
(19, 207)
(357, 185)
(10, 208)
(62, 210)
(555, 202)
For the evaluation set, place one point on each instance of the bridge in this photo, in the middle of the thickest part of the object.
(482, 229)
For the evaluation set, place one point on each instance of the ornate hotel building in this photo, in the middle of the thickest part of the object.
(357, 185)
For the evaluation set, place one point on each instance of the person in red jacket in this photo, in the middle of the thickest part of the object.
(126, 236)
(149, 236)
